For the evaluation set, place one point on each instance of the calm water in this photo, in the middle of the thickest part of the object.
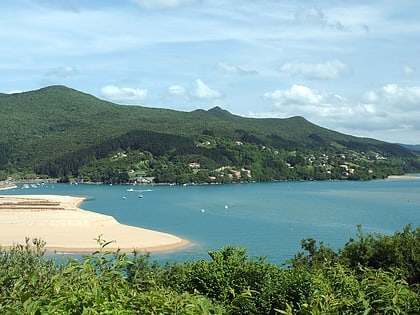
(268, 219)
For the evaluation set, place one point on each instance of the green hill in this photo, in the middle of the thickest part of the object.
(58, 131)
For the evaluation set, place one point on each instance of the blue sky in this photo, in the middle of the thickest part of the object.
(351, 66)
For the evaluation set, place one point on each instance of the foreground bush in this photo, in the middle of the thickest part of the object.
(361, 278)
(33, 284)
(402, 251)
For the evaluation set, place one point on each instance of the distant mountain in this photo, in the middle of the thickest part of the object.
(414, 147)
(44, 129)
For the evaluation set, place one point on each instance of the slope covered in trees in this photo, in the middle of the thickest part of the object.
(60, 132)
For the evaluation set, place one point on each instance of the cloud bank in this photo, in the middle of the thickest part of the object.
(389, 107)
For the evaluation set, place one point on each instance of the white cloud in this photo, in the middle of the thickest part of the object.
(14, 92)
(235, 70)
(392, 95)
(296, 95)
(198, 90)
(124, 94)
(177, 90)
(389, 111)
(408, 70)
(203, 91)
(332, 109)
(328, 70)
(316, 17)
(163, 4)
(62, 72)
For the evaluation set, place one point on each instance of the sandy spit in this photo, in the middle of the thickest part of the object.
(400, 177)
(64, 227)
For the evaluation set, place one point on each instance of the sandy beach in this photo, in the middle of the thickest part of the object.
(64, 227)
(399, 177)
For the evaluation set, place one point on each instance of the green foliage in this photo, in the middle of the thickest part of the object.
(316, 256)
(402, 251)
(100, 284)
(336, 289)
(63, 133)
(230, 282)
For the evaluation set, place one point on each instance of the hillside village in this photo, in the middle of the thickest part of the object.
(133, 166)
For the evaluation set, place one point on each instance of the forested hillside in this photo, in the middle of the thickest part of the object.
(60, 132)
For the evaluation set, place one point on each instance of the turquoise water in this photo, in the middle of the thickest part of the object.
(269, 219)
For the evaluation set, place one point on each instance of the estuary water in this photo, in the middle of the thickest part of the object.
(268, 219)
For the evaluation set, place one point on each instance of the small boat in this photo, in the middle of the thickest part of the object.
(202, 210)
(130, 189)
(226, 207)
(140, 196)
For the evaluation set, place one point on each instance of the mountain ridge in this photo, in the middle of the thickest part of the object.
(45, 126)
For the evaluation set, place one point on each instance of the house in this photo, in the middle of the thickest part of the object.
(246, 172)
(144, 180)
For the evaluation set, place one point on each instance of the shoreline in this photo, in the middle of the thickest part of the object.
(66, 228)
(407, 176)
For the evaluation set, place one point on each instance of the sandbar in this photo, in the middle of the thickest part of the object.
(407, 176)
(65, 227)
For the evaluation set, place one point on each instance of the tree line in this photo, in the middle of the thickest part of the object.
(169, 157)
